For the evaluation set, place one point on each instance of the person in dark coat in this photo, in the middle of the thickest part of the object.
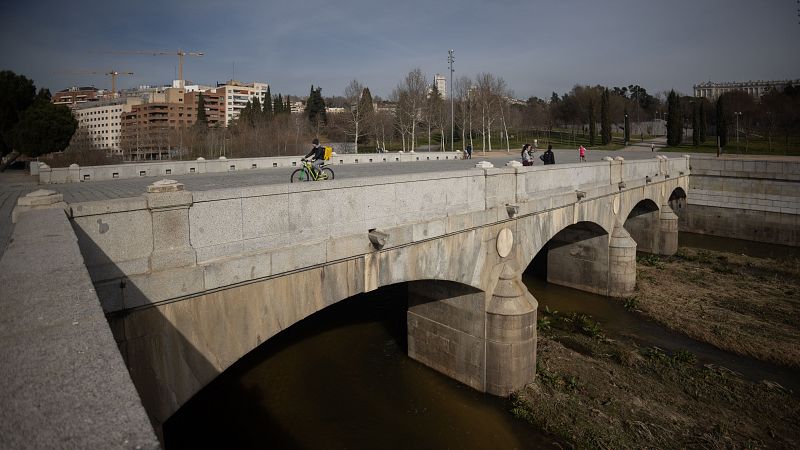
(548, 157)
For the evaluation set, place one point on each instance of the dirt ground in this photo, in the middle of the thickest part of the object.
(746, 305)
(597, 392)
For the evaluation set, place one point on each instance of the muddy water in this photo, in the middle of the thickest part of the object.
(738, 246)
(341, 379)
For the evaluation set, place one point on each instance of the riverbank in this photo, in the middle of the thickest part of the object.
(738, 303)
(599, 389)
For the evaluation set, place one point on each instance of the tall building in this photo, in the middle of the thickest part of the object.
(712, 90)
(102, 121)
(236, 95)
(441, 84)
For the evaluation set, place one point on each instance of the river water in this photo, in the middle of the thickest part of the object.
(341, 379)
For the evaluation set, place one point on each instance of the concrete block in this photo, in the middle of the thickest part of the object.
(215, 222)
(298, 257)
(163, 285)
(348, 246)
(265, 216)
(220, 251)
(115, 237)
(108, 206)
(428, 230)
(230, 271)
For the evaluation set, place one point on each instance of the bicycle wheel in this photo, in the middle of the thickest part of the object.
(299, 175)
(327, 172)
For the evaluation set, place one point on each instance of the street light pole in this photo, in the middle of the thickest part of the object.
(451, 59)
(737, 114)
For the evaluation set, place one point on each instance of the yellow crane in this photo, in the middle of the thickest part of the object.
(180, 54)
(113, 73)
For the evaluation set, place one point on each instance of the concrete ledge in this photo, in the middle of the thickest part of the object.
(64, 381)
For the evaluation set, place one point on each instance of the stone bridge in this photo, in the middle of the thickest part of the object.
(193, 281)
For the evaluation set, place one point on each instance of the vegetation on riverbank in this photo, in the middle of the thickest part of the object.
(598, 392)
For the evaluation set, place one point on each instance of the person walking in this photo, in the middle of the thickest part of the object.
(652, 147)
(582, 153)
(469, 151)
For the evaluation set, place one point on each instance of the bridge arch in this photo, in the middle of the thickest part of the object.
(643, 223)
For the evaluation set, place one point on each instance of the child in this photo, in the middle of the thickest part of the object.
(527, 159)
(582, 152)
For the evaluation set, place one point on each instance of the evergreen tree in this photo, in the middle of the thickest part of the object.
(695, 125)
(722, 123)
(288, 106)
(17, 93)
(246, 115)
(256, 105)
(627, 125)
(592, 124)
(605, 119)
(43, 128)
(703, 120)
(279, 105)
(674, 120)
(315, 108)
(268, 109)
(202, 120)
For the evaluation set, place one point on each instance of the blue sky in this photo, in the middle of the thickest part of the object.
(537, 46)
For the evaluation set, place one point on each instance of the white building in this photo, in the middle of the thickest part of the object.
(236, 95)
(441, 84)
(757, 89)
(102, 121)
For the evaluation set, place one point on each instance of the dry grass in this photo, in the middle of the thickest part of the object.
(742, 304)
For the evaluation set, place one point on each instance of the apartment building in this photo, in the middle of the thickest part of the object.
(236, 95)
(75, 95)
(102, 121)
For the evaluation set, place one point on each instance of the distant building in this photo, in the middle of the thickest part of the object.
(441, 85)
(236, 95)
(102, 121)
(712, 90)
(75, 95)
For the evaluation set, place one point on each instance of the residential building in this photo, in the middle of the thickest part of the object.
(154, 129)
(102, 121)
(712, 90)
(236, 95)
(75, 95)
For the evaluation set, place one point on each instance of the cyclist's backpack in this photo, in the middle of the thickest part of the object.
(328, 153)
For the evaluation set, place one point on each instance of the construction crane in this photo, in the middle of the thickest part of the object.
(112, 73)
(180, 54)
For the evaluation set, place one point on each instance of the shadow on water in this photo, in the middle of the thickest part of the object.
(341, 379)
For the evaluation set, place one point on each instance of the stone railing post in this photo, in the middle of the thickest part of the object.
(74, 174)
(621, 263)
(169, 207)
(41, 199)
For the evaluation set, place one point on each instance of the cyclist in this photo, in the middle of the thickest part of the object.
(317, 155)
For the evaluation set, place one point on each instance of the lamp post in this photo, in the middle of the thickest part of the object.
(737, 114)
(451, 59)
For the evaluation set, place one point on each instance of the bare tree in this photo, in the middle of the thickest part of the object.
(356, 115)
(410, 94)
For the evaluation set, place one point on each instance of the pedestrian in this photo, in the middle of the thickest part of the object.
(548, 157)
(652, 147)
(582, 153)
(469, 151)
(527, 158)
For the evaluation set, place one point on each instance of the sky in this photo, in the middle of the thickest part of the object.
(537, 47)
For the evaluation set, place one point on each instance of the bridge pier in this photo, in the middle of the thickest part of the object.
(621, 263)
(668, 231)
(485, 341)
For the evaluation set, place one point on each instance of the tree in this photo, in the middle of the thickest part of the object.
(702, 121)
(722, 123)
(696, 124)
(267, 110)
(605, 119)
(16, 94)
(43, 128)
(315, 108)
(674, 120)
(410, 98)
(202, 120)
(355, 113)
(591, 124)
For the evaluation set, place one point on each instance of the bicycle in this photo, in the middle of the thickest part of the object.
(307, 173)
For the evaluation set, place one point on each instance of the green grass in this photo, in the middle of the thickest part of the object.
(756, 146)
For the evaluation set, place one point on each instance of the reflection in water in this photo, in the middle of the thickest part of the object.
(341, 379)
